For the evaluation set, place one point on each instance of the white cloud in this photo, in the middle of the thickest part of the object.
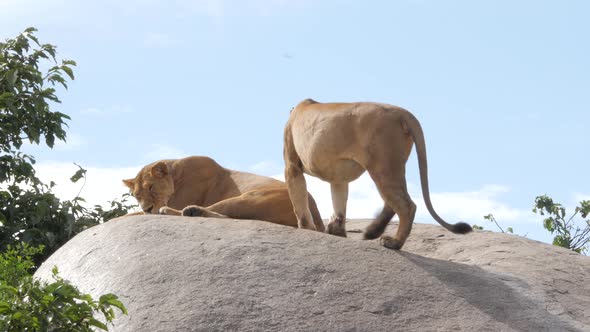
(102, 184)
(471, 206)
(364, 201)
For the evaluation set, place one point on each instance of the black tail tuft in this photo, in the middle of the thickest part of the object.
(461, 228)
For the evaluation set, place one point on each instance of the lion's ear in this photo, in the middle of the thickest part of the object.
(129, 183)
(159, 170)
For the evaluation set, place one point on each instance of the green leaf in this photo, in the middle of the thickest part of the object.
(9, 289)
(118, 304)
(11, 77)
(68, 71)
(106, 297)
(52, 287)
(549, 225)
(80, 173)
(585, 208)
(561, 241)
(4, 307)
(50, 140)
(66, 291)
(100, 325)
(65, 116)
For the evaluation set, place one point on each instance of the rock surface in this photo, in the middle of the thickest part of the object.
(181, 274)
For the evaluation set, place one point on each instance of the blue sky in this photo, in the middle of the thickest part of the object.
(501, 88)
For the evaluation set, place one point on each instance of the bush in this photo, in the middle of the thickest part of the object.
(568, 233)
(35, 216)
(27, 304)
(33, 221)
(490, 217)
(29, 211)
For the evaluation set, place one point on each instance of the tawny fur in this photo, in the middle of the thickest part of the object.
(199, 186)
(337, 142)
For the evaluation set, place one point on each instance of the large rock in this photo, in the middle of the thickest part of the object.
(195, 274)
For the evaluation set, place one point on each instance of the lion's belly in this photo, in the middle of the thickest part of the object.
(335, 171)
(328, 147)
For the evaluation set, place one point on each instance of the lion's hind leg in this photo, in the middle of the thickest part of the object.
(199, 211)
(377, 227)
(392, 187)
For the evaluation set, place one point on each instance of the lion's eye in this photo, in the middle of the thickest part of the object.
(151, 189)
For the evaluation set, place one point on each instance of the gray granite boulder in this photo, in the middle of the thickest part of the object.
(197, 274)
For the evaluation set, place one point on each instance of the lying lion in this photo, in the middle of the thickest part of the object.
(198, 186)
(337, 142)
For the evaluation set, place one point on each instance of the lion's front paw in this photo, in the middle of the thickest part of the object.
(304, 223)
(169, 211)
(336, 226)
(193, 211)
(336, 229)
(391, 243)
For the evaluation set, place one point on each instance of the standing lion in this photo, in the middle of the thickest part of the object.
(337, 142)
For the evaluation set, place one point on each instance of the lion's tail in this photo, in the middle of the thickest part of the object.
(415, 131)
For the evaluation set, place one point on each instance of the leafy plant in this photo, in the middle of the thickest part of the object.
(37, 217)
(27, 304)
(490, 217)
(16, 263)
(479, 228)
(25, 92)
(568, 233)
(29, 211)
(33, 221)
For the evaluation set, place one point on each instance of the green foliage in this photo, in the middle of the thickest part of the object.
(25, 92)
(490, 217)
(37, 217)
(33, 221)
(27, 304)
(117, 208)
(29, 211)
(567, 233)
(16, 263)
(480, 228)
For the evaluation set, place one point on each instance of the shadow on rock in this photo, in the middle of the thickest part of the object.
(492, 294)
